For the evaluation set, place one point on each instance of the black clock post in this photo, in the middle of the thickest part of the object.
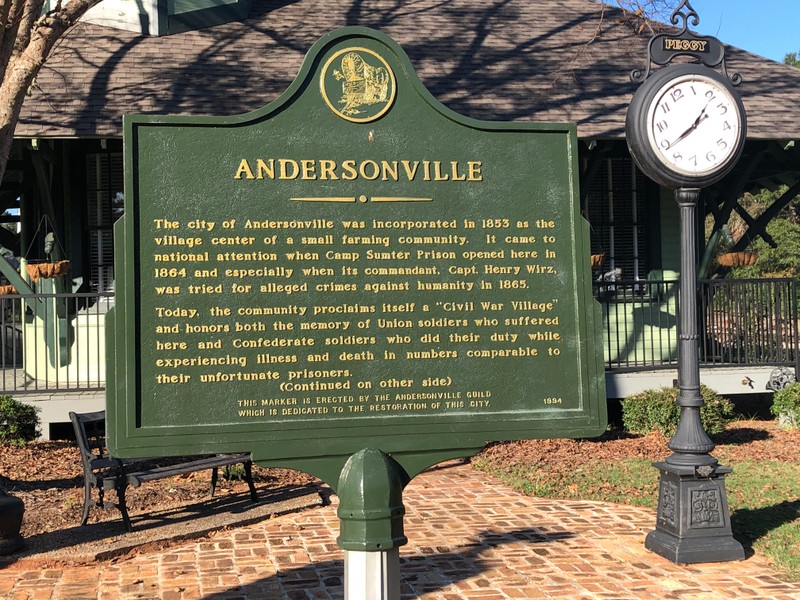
(693, 519)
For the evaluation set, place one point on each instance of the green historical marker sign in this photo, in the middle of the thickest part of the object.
(352, 266)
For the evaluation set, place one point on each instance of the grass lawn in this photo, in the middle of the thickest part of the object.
(763, 491)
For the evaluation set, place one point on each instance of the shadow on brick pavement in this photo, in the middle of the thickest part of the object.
(470, 537)
(421, 574)
(108, 539)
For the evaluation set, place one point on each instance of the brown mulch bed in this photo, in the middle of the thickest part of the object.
(748, 440)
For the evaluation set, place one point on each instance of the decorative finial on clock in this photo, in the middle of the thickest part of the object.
(691, 13)
(664, 47)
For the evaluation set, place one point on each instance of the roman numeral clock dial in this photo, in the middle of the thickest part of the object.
(686, 126)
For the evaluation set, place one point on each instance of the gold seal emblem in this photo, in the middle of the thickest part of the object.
(357, 84)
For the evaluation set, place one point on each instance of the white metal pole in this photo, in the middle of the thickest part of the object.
(372, 575)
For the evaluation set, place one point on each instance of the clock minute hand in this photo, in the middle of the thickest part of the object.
(701, 117)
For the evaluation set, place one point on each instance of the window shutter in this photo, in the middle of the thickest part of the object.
(104, 184)
(615, 209)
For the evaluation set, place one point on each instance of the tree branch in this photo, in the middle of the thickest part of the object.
(32, 10)
(11, 23)
(5, 11)
(34, 39)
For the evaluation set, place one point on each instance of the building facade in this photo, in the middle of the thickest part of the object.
(548, 61)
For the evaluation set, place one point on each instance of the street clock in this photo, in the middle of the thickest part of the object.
(686, 126)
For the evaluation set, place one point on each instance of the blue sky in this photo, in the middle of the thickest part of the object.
(769, 28)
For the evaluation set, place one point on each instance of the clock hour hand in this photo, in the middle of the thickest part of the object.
(701, 117)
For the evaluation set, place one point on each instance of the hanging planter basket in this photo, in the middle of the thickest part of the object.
(597, 260)
(47, 270)
(737, 259)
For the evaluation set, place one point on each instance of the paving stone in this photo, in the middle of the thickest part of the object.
(470, 537)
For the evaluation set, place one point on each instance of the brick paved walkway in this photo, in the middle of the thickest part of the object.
(470, 537)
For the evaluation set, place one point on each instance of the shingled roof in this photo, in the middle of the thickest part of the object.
(565, 60)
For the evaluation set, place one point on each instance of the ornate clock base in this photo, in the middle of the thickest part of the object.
(693, 523)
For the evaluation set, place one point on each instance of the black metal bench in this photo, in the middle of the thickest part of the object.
(105, 472)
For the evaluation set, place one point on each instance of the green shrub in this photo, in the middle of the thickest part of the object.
(656, 410)
(19, 422)
(233, 472)
(786, 406)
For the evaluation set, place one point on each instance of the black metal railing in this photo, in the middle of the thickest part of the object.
(743, 322)
(52, 342)
(749, 321)
(639, 323)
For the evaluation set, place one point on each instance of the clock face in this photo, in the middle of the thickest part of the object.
(693, 125)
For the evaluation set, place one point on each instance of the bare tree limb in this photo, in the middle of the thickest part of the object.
(32, 9)
(11, 23)
(651, 9)
(33, 39)
(5, 11)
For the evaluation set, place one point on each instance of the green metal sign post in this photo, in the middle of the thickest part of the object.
(353, 281)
